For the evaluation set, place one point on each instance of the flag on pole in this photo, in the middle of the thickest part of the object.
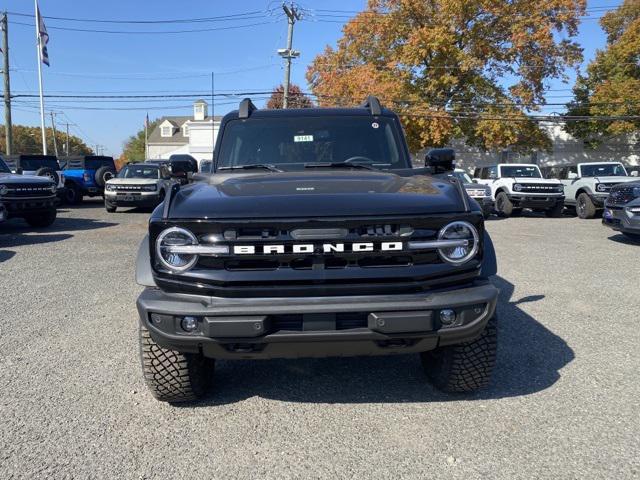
(146, 121)
(43, 38)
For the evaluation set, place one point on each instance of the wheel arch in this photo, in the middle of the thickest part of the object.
(144, 275)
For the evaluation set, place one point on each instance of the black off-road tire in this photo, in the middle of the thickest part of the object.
(504, 207)
(465, 367)
(48, 172)
(103, 174)
(585, 207)
(555, 211)
(110, 208)
(42, 219)
(172, 376)
(72, 194)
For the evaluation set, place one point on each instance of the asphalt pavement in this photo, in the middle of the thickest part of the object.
(564, 401)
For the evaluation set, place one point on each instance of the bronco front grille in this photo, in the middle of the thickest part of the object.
(536, 188)
(26, 190)
(319, 270)
(621, 195)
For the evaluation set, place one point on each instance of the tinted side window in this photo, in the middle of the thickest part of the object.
(492, 172)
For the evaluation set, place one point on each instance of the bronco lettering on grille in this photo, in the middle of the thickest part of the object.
(302, 248)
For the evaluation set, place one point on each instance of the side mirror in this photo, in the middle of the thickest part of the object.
(572, 175)
(440, 159)
(475, 180)
(634, 173)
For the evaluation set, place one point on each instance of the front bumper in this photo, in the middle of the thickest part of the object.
(17, 207)
(136, 199)
(535, 201)
(623, 218)
(254, 328)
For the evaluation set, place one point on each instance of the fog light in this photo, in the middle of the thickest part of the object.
(155, 318)
(189, 324)
(447, 317)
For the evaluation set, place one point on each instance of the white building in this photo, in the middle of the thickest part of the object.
(194, 135)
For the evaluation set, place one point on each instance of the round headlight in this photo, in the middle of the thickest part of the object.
(464, 252)
(175, 237)
(517, 187)
(601, 187)
(4, 190)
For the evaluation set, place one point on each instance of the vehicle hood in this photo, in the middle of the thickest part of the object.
(132, 181)
(10, 178)
(543, 181)
(315, 194)
(615, 179)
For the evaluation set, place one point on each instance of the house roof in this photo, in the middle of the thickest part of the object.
(177, 138)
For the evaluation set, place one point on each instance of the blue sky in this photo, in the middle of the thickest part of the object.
(242, 58)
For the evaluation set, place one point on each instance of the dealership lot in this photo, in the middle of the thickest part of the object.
(564, 401)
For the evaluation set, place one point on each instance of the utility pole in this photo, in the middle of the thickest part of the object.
(213, 117)
(66, 150)
(288, 53)
(8, 128)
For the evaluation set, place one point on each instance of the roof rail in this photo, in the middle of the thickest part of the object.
(373, 104)
(246, 108)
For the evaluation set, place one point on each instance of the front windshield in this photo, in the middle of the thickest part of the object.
(603, 170)
(3, 167)
(140, 171)
(291, 143)
(526, 171)
(463, 177)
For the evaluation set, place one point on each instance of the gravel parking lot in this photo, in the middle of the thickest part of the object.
(564, 401)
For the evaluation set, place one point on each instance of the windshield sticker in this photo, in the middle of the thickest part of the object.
(303, 138)
(375, 125)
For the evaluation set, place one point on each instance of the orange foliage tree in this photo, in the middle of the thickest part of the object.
(454, 68)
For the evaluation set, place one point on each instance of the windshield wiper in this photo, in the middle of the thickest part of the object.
(254, 166)
(339, 165)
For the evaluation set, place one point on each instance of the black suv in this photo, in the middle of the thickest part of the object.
(30, 197)
(315, 237)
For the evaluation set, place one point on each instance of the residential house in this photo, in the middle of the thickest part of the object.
(194, 135)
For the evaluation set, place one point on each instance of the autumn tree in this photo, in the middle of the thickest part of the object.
(454, 68)
(611, 86)
(28, 141)
(297, 99)
(134, 146)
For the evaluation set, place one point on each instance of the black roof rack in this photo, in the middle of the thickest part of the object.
(373, 104)
(246, 108)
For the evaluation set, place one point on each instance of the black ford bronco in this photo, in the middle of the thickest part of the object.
(32, 198)
(315, 237)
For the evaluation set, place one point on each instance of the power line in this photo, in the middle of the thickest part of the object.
(151, 32)
(219, 18)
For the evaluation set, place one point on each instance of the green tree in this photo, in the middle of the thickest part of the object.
(28, 140)
(134, 147)
(454, 68)
(611, 86)
(297, 99)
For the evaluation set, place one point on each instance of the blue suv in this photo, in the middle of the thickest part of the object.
(86, 176)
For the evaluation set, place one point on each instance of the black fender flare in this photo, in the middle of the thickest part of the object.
(144, 274)
(489, 265)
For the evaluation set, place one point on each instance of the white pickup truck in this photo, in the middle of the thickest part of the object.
(587, 185)
(515, 186)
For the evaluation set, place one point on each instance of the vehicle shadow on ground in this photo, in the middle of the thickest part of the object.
(66, 224)
(530, 358)
(619, 238)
